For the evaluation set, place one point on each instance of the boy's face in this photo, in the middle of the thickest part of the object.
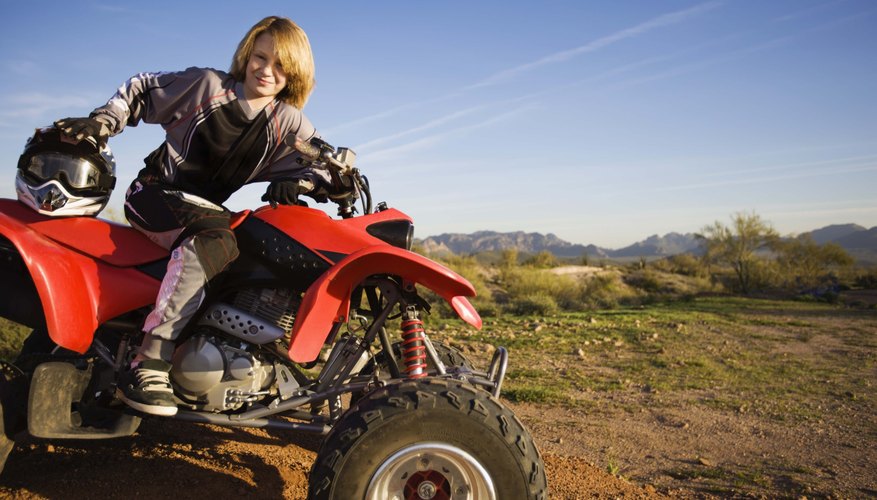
(264, 76)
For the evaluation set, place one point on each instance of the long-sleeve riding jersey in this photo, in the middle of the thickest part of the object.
(215, 142)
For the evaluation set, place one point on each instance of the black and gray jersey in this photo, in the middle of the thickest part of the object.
(215, 143)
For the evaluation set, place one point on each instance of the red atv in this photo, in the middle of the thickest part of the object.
(295, 335)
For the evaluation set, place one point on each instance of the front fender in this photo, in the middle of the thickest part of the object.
(77, 292)
(327, 301)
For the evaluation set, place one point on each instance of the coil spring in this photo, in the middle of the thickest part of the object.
(413, 348)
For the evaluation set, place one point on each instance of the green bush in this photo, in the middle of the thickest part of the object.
(542, 260)
(524, 282)
(607, 291)
(685, 264)
(660, 285)
(867, 279)
(536, 304)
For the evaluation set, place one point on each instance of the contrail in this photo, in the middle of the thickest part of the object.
(658, 22)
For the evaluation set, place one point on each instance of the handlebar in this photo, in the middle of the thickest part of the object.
(348, 184)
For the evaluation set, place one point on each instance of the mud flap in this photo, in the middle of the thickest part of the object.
(55, 411)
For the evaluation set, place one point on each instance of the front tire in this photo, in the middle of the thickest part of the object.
(431, 438)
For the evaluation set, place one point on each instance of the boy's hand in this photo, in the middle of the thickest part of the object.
(81, 128)
(286, 191)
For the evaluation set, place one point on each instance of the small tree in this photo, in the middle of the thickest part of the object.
(804, 263)
(737, 244)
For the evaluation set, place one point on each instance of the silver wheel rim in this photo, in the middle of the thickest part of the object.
(430, 470)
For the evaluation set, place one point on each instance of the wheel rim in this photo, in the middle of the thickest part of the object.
(431, 471)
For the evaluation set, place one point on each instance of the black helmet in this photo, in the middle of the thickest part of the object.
(58, 176)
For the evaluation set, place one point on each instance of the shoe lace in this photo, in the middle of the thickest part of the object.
(153, 380)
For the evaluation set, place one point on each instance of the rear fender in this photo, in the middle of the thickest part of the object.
(327, 301)
(77, 292)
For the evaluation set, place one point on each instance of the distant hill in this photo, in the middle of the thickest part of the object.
(833, 233)
(859, 241)
(659, 246)
(492, 241)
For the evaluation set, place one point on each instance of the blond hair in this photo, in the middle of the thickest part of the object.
(292, 49)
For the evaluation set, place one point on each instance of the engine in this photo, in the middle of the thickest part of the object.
(222, 367)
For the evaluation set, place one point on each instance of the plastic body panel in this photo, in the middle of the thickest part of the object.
(82, 268)
(327, 301)
(78, 290)
(321, 233)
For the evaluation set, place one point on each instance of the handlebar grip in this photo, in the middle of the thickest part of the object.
(307, 149)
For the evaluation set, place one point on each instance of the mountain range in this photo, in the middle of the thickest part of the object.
(857, 240)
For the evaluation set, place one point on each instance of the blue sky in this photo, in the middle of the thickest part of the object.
(599, 121)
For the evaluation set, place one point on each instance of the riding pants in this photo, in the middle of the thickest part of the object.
(202, 244)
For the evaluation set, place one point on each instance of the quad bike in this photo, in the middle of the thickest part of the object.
(295, 335)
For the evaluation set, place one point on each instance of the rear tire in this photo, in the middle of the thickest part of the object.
(434, 436)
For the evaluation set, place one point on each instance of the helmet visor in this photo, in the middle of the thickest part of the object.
(76, 172)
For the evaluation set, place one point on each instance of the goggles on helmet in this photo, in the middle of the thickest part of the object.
(77, 173)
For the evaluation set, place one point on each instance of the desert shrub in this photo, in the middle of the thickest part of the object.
(542, 260)
(661, 286)
(534, 304)
(866, 279)
(523, 282)
(606, 291)
(647, 280)
(685, 264)
(486, 307)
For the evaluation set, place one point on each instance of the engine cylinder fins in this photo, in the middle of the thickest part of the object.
(274, 305)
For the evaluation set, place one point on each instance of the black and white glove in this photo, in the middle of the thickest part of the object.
(286, 191)
(82, 128)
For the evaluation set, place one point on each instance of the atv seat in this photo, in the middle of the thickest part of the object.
(111, 242)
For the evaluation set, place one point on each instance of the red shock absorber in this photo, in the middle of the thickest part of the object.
(413, 345)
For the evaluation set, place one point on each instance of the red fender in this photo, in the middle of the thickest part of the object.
(77, 292)
(327, 301)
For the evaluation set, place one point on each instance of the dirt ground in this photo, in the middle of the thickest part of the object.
(635, 443)
(653, 449)
(206, 461)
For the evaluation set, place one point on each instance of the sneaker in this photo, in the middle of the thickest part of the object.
(147, 388)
